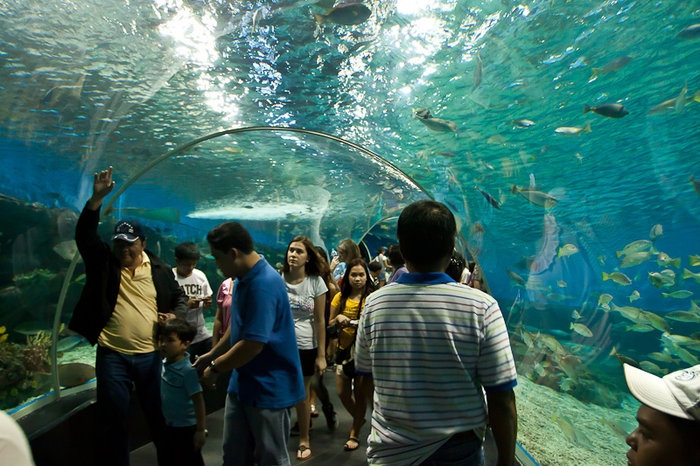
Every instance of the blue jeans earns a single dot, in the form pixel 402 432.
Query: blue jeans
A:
pixel 255 435
pixel 458 451
pixel 116 372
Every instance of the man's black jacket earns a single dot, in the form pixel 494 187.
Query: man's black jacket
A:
pixel 103 276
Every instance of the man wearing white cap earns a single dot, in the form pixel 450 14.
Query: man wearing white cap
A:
pixel 669 418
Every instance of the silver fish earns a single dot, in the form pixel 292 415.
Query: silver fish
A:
pixel 691 32
pixel 573 131
pixel 478 70
pixel 679 105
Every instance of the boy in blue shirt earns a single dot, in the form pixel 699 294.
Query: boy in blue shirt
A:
pixel 181 395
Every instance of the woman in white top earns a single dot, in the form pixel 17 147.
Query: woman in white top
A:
pixel 307 299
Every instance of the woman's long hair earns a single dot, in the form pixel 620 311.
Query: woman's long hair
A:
pixel 346 287
pixel 325 267
pixel 350 249
pixel 315 264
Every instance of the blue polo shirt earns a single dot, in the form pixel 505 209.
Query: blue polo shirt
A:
pixel 260 312
pixel 179 382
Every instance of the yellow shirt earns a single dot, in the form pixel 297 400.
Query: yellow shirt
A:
pixel 352 311
pixel 131 328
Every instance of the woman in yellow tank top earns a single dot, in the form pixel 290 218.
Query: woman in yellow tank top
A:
pixel 345 313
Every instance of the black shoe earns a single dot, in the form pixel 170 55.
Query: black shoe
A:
pixel 331 418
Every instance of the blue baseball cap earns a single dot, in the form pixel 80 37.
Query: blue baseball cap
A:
pixel 128 230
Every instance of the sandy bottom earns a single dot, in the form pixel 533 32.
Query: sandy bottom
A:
pixel 590 441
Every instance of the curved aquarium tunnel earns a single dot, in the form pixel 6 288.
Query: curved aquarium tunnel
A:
pixel 585 223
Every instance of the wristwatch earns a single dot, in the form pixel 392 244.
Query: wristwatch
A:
pixel 212 367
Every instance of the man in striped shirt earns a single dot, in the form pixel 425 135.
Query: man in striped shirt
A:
pixel 433 346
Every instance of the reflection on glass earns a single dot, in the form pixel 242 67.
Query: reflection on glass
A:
pixel 585 225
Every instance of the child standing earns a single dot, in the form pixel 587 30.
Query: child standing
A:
pixel 181 395
pixel 198 291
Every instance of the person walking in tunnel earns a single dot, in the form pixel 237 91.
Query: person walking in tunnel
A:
pixel 381 258
pixel 347 251
pixel 668 433
pixel 396 262
pixel 261 345
pixel 354 389
pixel 318 388
pixel 127 292
pixel 222 319
pixel 375 274
pixel 196 286
pixel 302 272
pixel 431 345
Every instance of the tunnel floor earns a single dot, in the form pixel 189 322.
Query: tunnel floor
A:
pixel 326 446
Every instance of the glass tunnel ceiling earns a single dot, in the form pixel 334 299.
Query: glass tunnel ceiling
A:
pixel 88 85
pixel 299 189
pixel 120 83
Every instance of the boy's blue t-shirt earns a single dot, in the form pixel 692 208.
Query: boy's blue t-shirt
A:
pixel 260 312
pixel 179 382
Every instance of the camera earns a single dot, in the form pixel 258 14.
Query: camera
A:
pixel 332 331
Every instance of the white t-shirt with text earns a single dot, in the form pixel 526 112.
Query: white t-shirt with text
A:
pixel 196 286
pixel 301 301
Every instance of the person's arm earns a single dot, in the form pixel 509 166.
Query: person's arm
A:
pixel 200 413
pixel 363 364
pixel 223 345
pixel 333 320
pixel 320 323
pixel 336 318
pixel 178 301
pixel 86 237
pixel 218 324
pixel 503 419
pixel 241 354
pixel 332 289
pixel 334 263
pixel 102 185
pixel 258 314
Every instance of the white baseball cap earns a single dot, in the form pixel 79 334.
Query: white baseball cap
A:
pixel 677 393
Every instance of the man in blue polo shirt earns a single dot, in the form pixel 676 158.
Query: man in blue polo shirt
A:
pixel 261 345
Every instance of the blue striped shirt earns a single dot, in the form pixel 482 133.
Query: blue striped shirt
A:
pixel 431 345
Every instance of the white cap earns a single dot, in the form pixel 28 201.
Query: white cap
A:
pixel 677 393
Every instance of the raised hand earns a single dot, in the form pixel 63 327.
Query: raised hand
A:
pixel 102 185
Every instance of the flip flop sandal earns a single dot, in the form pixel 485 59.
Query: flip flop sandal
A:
pixel 301 452
pixel 349 447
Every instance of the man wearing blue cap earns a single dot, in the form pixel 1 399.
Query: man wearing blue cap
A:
pixel 127 292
